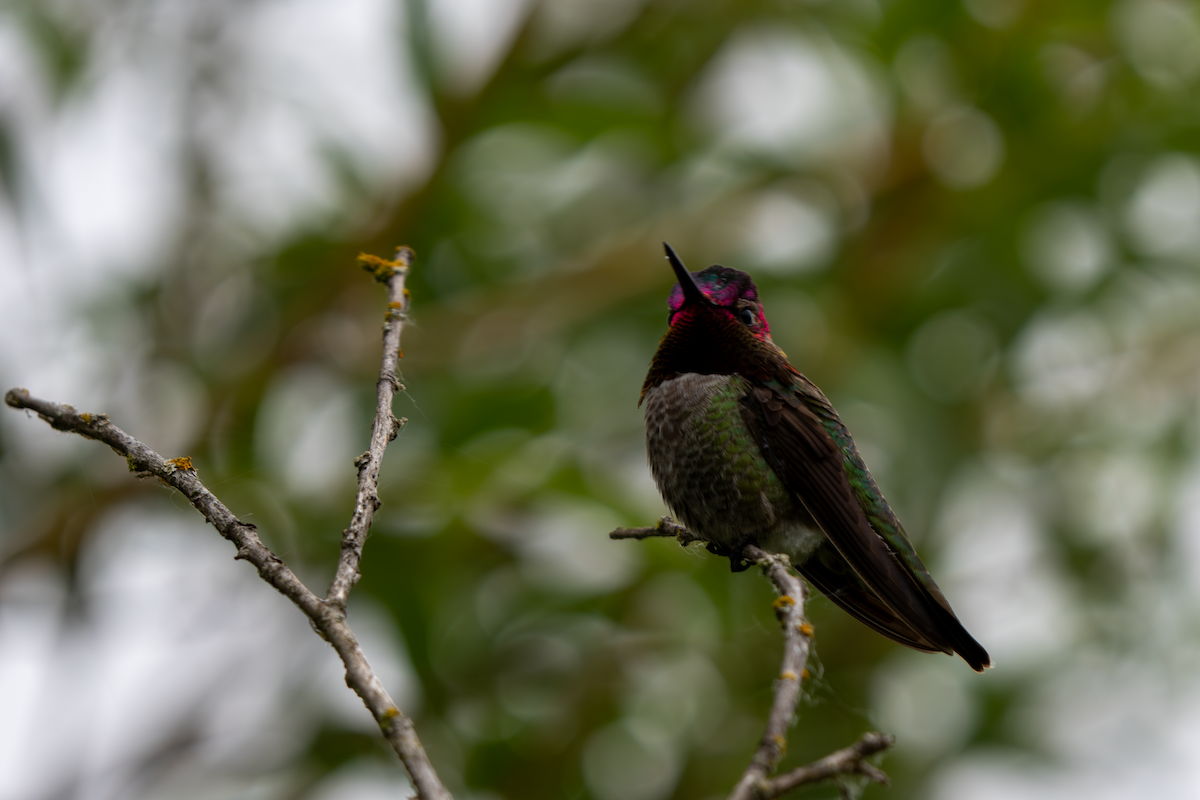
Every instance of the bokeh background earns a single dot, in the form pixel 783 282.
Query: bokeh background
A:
pixel 975 224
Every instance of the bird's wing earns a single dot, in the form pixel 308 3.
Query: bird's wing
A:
pixel 798 431
pixel 829 572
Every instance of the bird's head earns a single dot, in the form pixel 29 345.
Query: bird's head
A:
pixel 716 327
pixel 718 291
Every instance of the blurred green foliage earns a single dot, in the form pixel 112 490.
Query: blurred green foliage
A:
pixel 973 225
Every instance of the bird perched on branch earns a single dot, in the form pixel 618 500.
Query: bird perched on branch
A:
pixel 746 450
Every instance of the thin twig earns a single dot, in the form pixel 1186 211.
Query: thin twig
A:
pixel 847 761
pixel 328 616
pixel 666 527
pixel 797 640
pixel 385 427
pixel 789 608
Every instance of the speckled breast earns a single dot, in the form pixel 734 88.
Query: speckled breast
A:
pixel 710 470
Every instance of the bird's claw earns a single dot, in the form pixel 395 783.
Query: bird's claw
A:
pixel 737 563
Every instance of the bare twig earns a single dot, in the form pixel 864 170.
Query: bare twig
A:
pixel 797 640
pixel 385 427
pixel 789 608
pixel 328 615
pixel 847 761
pixel 666 527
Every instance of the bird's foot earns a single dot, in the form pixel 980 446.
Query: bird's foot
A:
pixel 737 561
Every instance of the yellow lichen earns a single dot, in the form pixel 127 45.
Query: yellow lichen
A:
pixel 395 311
pixel 787 675
pixel 381 268
pixel 182 463
pixel 806 629
pixel 805 674
pixel 783 603
pixel 390 714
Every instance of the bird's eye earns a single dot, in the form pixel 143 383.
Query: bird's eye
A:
pixel 746 315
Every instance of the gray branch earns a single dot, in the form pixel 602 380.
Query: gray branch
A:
pixel 666 527
pixel 847 761
pixel 797 633
pixel 797 640
pixel 328 615
pixel 385 427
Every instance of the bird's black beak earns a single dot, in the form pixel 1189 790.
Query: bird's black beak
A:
pixel 691 292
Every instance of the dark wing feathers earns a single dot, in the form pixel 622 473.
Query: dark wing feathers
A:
pixel 838 582
pixel 873 584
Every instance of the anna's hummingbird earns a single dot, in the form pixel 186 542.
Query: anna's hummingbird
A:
pixel 746 450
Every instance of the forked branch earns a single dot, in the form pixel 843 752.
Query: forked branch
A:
pixel 328 615
pixel 797 632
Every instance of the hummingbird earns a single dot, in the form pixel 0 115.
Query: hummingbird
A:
pixel 747 450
